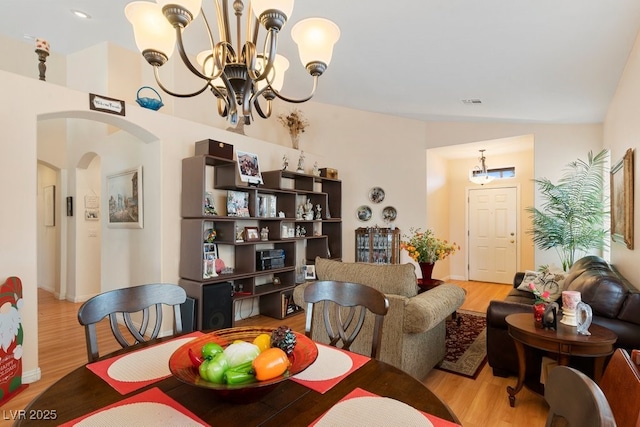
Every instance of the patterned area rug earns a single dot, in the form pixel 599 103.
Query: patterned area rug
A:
pixel 466 344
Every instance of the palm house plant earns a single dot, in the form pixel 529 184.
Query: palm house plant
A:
pixel 572 215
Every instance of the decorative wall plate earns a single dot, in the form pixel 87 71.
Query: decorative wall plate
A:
pixel 376 194
pixel 389 214
pixel 364 213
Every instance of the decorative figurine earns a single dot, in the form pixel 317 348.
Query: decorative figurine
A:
pixel 301 163
pixel 285 162
pixel 299 212
pixel 316 170
pixel 298 232
pixel 308 210
pixel 318 211
pixel 264 234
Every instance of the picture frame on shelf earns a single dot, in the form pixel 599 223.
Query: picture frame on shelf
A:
pixel 266 205
pixel 622 200
pixel 125 196
pixel 251 234
pixel 310 272
pixel 249 168
pixel 237 203
pixel 209 204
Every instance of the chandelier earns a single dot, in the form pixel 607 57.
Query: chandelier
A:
pixel 479 175
pixel 237 75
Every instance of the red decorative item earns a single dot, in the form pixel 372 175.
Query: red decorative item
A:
pixel 11 342
pixel 538 314
pixel 427 269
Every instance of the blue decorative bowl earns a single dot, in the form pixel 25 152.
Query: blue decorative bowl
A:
pixel 150 103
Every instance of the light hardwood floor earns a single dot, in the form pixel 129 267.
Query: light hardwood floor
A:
pixel 477 403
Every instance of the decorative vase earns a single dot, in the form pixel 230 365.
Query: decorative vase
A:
pixel 295 140
pixel 538 314
pixel 427 269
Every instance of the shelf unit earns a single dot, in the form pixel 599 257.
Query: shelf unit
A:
pixel 378 245
pixel 283 190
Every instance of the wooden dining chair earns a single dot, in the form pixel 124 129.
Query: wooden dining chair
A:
pixel 576 399
pixel 121 303
pixel 620 383
pixel 338 321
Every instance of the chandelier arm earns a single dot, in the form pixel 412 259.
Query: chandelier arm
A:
pixel 223 20
pixel 185 58
pixel 223 107
pixel 212 42
pixel 230 99
pixel 178 95
pixel 256 104
pixel 269 52
pixel 297 101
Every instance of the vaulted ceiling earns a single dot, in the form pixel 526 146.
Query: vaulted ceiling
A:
pixel 525 60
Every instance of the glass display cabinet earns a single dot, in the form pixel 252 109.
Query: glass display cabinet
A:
pixel 378 245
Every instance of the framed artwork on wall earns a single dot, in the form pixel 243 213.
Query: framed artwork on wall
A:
pixel 124 192
pixel 622 200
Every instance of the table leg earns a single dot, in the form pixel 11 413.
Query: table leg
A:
pixel 522 367
pixel 598 368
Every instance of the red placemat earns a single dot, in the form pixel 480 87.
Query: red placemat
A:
pixel 365 408
pixel 149 408
pixel 132 371
pixel 331 367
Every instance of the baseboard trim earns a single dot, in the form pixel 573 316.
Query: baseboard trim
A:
pixel 31 376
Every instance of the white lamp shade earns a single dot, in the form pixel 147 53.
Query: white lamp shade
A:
pixel 206 61
pixel 150 28
pixel 315 38
pixel 280 66
pixel 193 6
pixel 284 6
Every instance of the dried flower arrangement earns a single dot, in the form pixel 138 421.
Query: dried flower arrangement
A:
pixel 295 124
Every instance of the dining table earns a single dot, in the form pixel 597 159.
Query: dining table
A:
pixel 290 403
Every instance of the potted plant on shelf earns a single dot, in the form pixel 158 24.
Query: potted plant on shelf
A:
pixel 571 218
pixel 425 248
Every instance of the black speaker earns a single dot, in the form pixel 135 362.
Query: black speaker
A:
pixel 188 315
pixel 216 306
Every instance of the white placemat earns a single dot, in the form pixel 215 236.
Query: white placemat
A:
pixel 148 364
pixel 330 363
pixel 139 414
pixel 372 411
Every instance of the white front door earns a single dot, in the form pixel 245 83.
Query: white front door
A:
pixel 492 234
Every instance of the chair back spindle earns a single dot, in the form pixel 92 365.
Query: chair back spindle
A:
pixel 344 302
pixel 121 303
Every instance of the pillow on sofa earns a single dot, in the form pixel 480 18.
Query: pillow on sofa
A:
pixel 399 279
pixel 552 282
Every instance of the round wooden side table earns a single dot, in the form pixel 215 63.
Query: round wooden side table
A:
pixel 565 342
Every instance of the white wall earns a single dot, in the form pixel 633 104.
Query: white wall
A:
pixel 368 150
pixel 48 236
pixel 621 132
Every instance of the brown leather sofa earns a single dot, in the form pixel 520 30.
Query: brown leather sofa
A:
pixel 614 301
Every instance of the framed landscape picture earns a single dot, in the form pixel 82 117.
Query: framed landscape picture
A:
pixel 124 192
pixel 622 200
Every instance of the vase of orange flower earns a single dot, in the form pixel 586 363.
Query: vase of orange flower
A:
pixel 425 248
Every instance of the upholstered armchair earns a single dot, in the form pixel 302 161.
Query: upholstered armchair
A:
pixel 413 337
